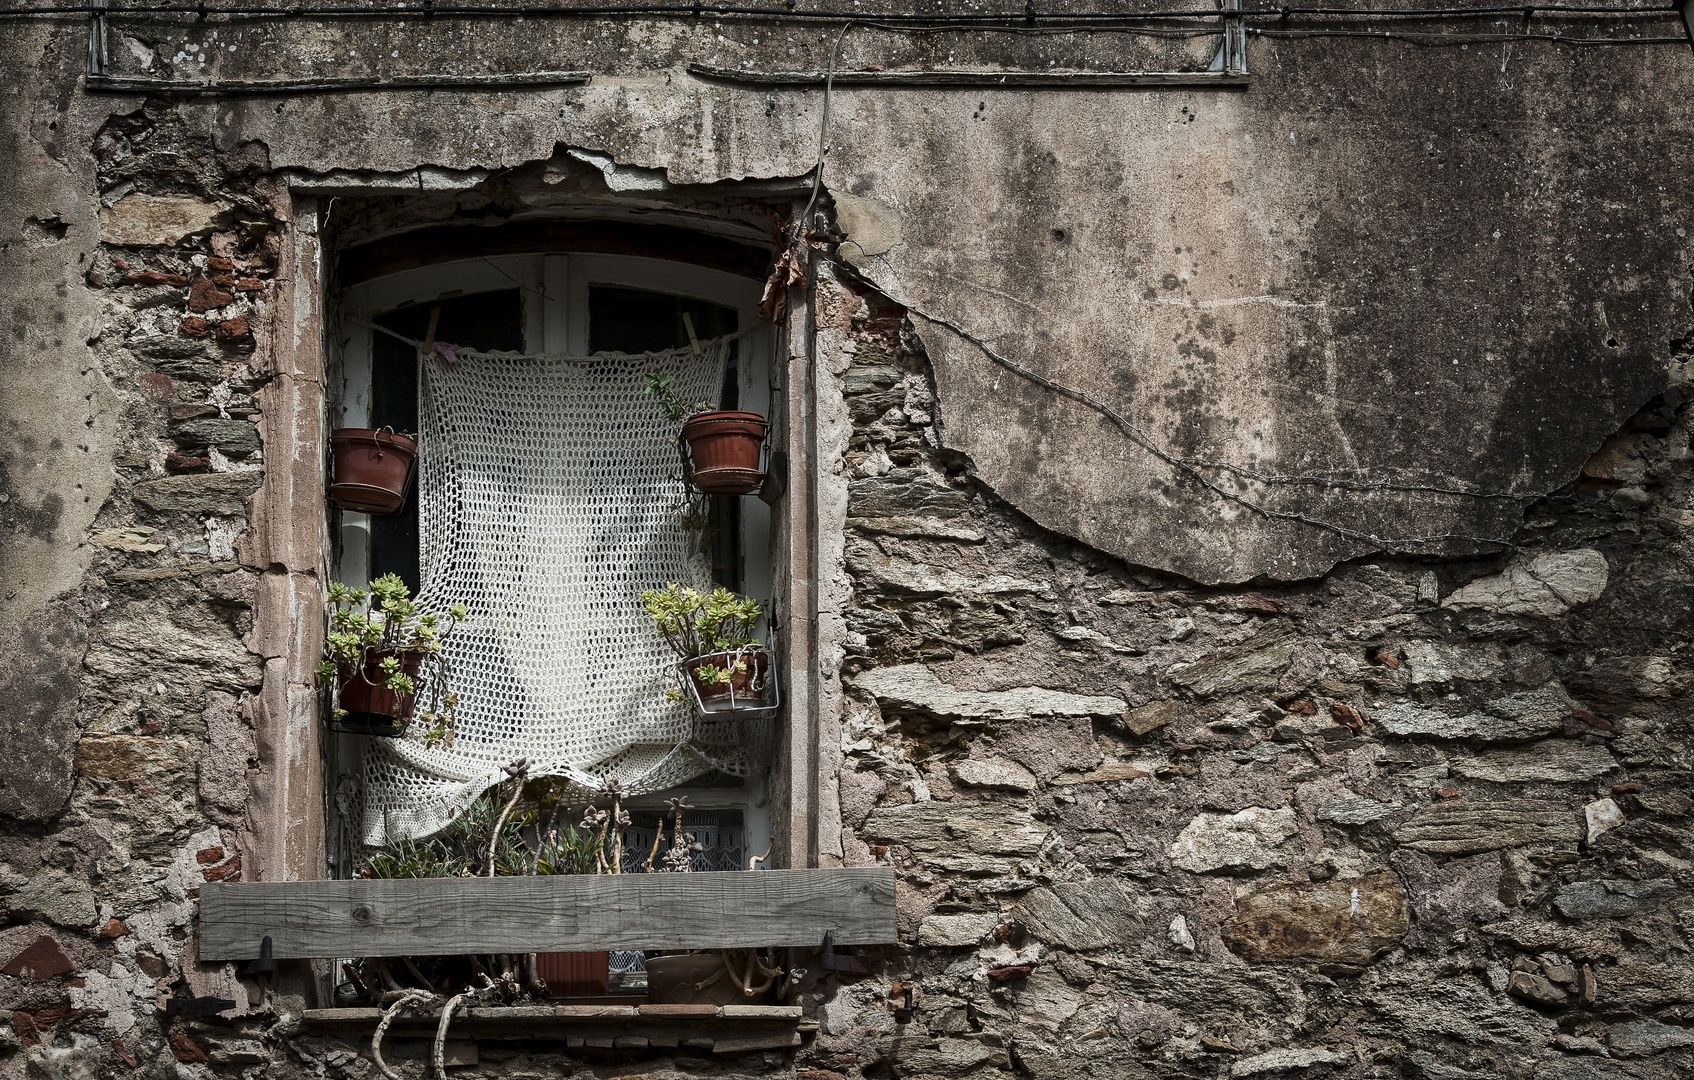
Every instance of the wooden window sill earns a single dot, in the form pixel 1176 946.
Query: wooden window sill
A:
pixel 464 916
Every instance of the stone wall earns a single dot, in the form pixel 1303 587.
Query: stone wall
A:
pixel 1414 818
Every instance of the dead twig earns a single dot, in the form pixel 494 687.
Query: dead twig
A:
pixel 517 770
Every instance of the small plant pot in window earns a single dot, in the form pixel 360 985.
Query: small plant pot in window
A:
pixel 740 681
pixel 374 648
pixel 367 704
pixel 724 668
pixel 373 469
pixel 567 973
pixel 723 452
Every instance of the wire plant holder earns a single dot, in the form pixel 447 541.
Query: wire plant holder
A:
pixel 729 470
pixel 754 692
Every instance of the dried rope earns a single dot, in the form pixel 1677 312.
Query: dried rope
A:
pixel 402 1001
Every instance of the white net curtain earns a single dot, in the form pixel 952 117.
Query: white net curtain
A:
pixel 548 491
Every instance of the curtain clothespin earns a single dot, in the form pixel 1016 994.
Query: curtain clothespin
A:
pixel 429 335
pixel 688 325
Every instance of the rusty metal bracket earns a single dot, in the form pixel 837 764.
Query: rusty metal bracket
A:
pixel 265 964
pixel 831 962
pixel 197 1006
pixel 903 1013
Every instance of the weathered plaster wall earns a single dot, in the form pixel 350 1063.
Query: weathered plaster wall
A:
pixel 1407 817
pixel 1277 283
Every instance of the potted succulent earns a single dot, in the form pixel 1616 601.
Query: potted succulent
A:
pixel 376 644
pixel 373 469
pixel 722 449
pixel 724 667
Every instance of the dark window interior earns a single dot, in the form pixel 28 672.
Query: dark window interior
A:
pixel 635 320
pixel 489 321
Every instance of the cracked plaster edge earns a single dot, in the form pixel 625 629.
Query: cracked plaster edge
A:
pixel 833 434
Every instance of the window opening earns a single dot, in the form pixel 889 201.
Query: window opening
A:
pixel 563 305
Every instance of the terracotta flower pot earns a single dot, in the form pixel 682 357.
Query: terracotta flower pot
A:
pixel 671 979
pixel 743 687
pixel 723 451
pixel 373 469
pixel 573 972
pixel 371 707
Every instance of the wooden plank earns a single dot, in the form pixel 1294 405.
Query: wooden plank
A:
pixel 781 1040
pixel 457 916
pixel 595 1012
pixel 760 1012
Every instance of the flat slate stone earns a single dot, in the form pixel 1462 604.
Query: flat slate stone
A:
pixel 959 837
pixel 1558 760
pixel 1254 666
pixel 1355 810
pixel 1151 717
pixel 1246 839
pixel 1349 921
pixel 915 687
pixel 1546 585
pixel 216 494
pixel 1612 899
pixel 1647 1037
pixel 1465 828
pixel 1095 914
pixel 994 772
pixel 956 930
pixel 1514 718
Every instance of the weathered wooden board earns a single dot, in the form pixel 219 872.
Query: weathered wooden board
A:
pixel 456 916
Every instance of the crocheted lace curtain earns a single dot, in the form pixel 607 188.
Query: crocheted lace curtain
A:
pixel 548 491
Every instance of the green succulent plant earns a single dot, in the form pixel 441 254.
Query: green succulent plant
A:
pixel 696 623
pixel 377 628
pixel 463 848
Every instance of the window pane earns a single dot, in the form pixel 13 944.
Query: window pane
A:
pixel 635 320
pixel 489 321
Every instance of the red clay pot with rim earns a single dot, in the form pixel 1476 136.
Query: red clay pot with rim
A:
pixel 371 707
pixel 573 972
pixel 373 469
pixel 724 451
pixel 745 686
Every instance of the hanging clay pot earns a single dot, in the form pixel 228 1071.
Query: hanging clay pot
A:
pixel 723 450
pixel 371 707
pixel 373 469
pixel 751 691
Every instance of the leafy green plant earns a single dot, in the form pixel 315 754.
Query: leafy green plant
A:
pixel 377 628
pixel 529 842
pixel 696 623
pixel 662 385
